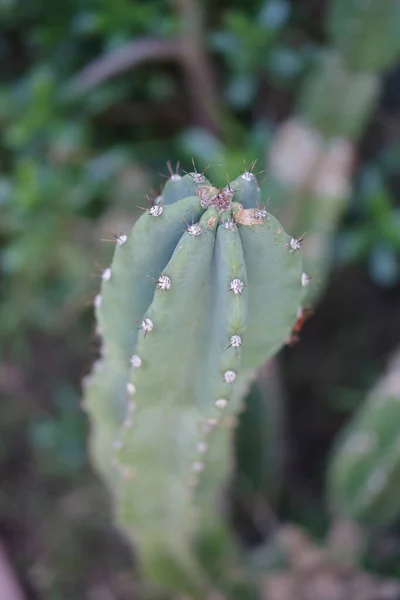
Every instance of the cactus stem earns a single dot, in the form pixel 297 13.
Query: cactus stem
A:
pixel 180 421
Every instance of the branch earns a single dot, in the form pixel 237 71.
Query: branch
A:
pixel 129 56
pixel 201 84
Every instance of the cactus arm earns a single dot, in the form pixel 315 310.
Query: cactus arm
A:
pixel 367 33
pixel 364 473
pixel 335 101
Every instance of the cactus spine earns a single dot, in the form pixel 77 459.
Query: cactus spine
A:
pixel 204 290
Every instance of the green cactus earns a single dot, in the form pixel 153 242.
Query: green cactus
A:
pixel 364 473
pixel 336 101
pixel 365 31
pixel 202 292
pixel 312 160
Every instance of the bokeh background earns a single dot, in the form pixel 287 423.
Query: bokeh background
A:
pixel 95 97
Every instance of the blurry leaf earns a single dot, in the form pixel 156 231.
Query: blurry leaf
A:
pixel 384 266
pixel 274 13
pixel 241 91
pixel 285 63
pixel 202 145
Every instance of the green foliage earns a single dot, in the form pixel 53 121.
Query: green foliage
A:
pixel 186 313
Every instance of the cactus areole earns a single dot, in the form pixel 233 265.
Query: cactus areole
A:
pixel 204 289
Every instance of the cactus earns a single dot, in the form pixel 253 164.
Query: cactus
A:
pixel 365 31
pixel 364 473
pixel 336 101
pixel 312 157
pixel 203 291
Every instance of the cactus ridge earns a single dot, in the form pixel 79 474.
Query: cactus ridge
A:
pixel 201 292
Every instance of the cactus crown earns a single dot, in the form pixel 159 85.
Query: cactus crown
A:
pixel 203 291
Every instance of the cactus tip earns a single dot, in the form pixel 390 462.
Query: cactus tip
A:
pixel 248 176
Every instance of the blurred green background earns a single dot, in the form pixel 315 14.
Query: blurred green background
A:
pixel 95 97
